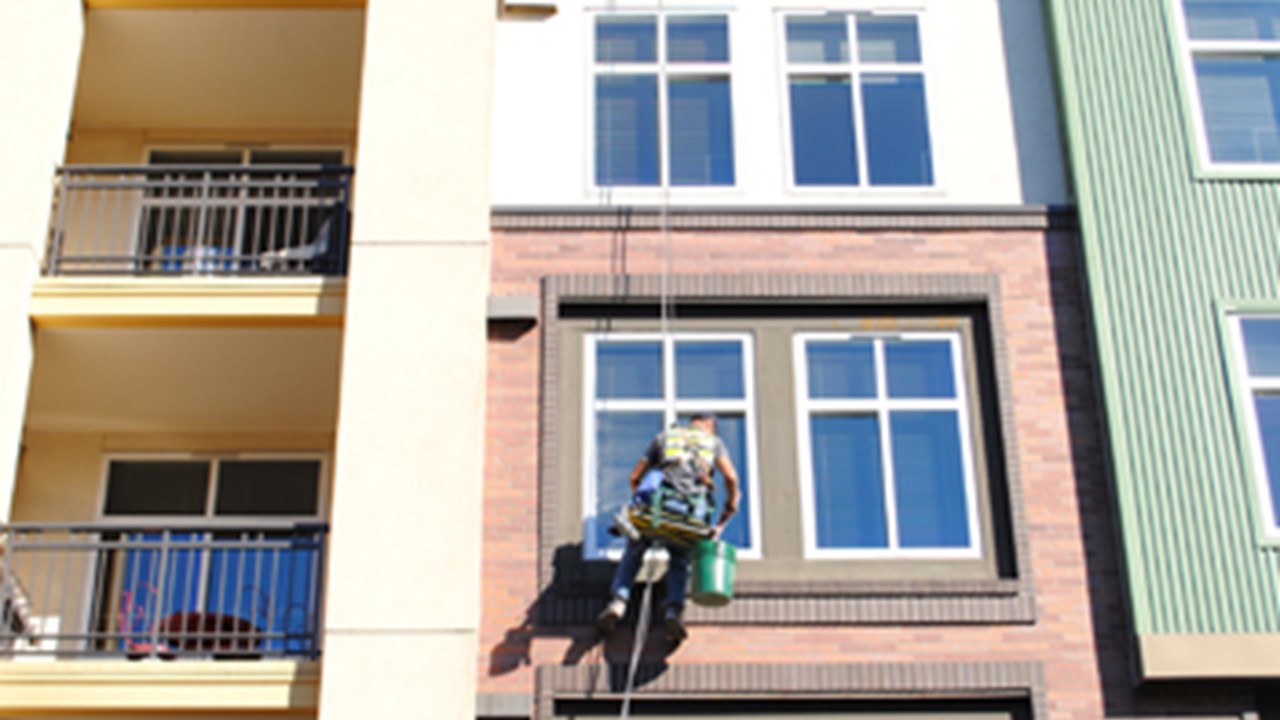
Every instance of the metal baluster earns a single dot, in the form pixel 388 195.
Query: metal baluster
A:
pixel 60 224
pixel 162 578
pixel 273 588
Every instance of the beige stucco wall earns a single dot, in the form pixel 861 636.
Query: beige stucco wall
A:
pixel 407 487
pixel 44 35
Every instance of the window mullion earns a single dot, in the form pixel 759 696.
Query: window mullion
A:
pixel 664 104
pixel 854 71
pixel 886 447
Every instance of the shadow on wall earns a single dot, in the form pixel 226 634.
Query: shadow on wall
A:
pixel 610 655
pixel 1034 101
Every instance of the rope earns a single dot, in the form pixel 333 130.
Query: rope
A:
pixel 637 644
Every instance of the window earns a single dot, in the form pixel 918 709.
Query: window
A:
pixel 856 90
pixel 213 488
pixel 212 555
pixel 662 101
pixel 1258 352
pixel 867 437
pixel 884 445
pixel 251 210
pixel 639 383
pixel 1235 59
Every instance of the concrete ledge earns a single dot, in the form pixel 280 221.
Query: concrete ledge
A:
pixel 117 685
pixel 518 308
pixel 1205 657
pixel 134 301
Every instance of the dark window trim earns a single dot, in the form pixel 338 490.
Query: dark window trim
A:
pixel 575 596
pixel 731 681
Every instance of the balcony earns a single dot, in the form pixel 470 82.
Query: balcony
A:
pixel 209 220
pixel 166 591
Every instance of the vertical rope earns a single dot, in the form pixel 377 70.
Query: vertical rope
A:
pixel 637 644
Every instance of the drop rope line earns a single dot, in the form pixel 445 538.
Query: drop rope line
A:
pixel 666 315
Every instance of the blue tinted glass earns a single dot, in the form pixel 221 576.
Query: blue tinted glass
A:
pixel 918 369
pixel 929 480
pixel 275 588
pixel 732 429
pixel 709 370
pixel 701 132
pixel 897 130
pixel 626 39
pixel 1241 115
pixel 845 369
pixel 820 39
pixel 626 130
pixel 848 486
pixel 888 39
pixel 1233 19
pixel 822 132
pixel 697 38
pixel 1262 345
pixel 621 438
pixel 1268 408
pixel 629 370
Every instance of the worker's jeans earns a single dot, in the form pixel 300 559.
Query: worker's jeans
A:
pixel 633 558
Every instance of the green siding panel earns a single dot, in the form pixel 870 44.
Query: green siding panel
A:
pixel 1163 248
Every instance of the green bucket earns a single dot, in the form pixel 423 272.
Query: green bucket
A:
pixel 714 565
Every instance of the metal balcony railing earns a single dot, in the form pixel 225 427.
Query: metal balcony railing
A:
pixel 200 220
pixel 166 591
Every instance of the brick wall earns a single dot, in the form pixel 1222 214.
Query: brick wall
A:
pixel 1078 636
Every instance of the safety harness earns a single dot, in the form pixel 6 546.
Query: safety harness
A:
pixel 678 510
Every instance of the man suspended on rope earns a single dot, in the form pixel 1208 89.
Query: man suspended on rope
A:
pixel 678 464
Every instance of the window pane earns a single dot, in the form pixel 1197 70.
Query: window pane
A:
pixel 1268 408
pixel 157 487
pixel 732 429
pixel 1233 19
pixel 697 38
pixel 822 39
pixel 701 132
pixel 848 487
pixel 888 39
pixel 626 39
pixel 629 370
pixel 709 370
pixel 918 369
pixel 822 131
pixel 841 369
pixel 621 438
pixel 268 487
pixel 897 130
pixel 1238 96
pixel 929 480
pixel 1262 345
pixel 626 130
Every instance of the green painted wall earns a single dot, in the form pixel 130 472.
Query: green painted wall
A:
pixel 1164 246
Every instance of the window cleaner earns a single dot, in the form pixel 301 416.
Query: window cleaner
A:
pixel 671 505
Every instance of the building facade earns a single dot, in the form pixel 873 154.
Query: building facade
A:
pixel 211 341
pixel 764 210
pixel 1170 116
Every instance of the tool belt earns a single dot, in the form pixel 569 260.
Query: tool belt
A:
pixel 667 514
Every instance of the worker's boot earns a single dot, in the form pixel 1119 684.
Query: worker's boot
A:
pixel 608 619
pixel 673 619
pixel 623 527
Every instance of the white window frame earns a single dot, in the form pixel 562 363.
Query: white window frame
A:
pixel 1246 388
pixel 881 406
pixel 664 71
pixel 853 69
pixel 1223 48
pixel 671 409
